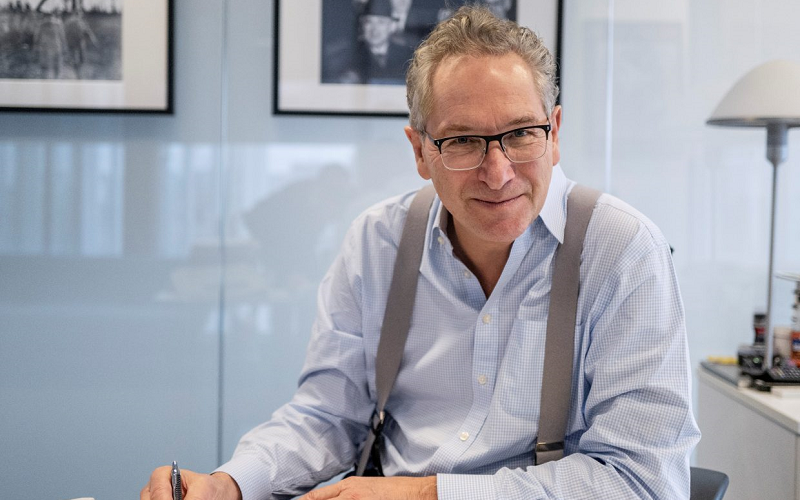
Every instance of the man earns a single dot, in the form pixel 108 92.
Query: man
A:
pixel 79 35
pixel 378 58
pixel 464 411
pixel 50 43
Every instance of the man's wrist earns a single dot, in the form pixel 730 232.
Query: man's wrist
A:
pixel 429 491
pixel 228 486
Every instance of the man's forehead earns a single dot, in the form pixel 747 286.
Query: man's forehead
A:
pixel 461 75
pixel 483 94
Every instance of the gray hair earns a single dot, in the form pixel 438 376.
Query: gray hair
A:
pixel 474 30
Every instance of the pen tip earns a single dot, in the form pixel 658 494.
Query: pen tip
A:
pixel 174 464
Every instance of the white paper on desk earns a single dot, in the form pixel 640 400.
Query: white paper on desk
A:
pixel 786 392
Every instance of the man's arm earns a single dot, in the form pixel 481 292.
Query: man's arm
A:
pixel 377 488
pixel 308 440
pixel 634 432
pixel 315 436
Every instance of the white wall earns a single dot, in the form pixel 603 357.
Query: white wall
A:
pixel 115 307
pixel 707 188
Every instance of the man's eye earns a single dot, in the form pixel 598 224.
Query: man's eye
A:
pixel 521 133
pixel 463 140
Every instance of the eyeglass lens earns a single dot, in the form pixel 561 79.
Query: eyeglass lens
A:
pixel 467 152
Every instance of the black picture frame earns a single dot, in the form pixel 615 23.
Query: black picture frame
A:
pixel 299 76
pixel 125 64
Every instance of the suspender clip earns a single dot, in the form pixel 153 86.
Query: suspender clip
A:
pixel 545 447
pixel 378 419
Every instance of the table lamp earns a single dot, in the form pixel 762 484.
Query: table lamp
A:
pixel 766 97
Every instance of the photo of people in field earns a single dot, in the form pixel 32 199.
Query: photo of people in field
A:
pixel 61 39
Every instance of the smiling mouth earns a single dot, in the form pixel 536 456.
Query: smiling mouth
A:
pixel 500 203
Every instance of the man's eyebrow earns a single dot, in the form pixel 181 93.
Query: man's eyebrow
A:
pixel 457 128
pixel 526 120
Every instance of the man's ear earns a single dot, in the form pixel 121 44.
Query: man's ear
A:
pixel 415 138
pixel 555 127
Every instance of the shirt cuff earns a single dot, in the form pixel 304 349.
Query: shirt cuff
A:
pixel 465 487
pixel 248 475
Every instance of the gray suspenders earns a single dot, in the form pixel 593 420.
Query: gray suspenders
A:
pixel 397 317
pixel 559 344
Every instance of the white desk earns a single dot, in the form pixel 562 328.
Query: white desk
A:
pixel 752 436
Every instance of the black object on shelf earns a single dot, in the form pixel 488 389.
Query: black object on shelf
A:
pixel 777 376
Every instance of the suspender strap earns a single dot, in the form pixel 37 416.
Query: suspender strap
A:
pixel 397 317
pixel 559 345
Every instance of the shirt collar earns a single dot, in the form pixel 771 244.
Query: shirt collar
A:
pixel 440 221
pixel 553 213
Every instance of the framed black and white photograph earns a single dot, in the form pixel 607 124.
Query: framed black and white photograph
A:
pixel 86 55
pixel 349 57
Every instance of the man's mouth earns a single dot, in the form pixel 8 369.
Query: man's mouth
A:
pixel 498 203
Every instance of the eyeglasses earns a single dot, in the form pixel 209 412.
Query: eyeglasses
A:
pixel 466 152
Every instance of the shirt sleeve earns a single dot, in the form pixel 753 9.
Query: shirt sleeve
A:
pixel 316 435
pixel 635 430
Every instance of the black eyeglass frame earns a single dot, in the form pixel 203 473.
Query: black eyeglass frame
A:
pixel 488 139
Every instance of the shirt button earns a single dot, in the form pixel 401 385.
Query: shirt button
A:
pixel 487 318
pixel 482 379
pixel 440 240
pixel 464 436
pixel 467 274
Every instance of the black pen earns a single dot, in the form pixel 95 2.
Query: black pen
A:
pixel 177 491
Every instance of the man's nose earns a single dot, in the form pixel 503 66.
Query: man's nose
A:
pixel 496 169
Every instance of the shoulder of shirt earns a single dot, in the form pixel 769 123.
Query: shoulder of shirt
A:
pixel 383 220
pixel 621 224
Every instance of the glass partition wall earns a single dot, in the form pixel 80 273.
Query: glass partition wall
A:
pixel 158 274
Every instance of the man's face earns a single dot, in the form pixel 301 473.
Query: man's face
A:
pixel 376 29
pixel 493 204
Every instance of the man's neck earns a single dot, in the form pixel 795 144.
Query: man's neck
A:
pixel 486 263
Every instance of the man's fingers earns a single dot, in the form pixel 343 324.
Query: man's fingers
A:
pixel 200 490
pixel 160 485
pixel 195 486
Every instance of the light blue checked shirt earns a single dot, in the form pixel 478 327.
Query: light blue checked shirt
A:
pixel 466 402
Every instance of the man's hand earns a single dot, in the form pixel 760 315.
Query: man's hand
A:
pixel 218 486
pixel 377 488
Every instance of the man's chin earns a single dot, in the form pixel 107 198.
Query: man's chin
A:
pixel 505 231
